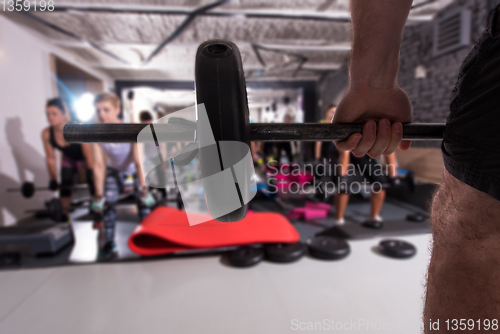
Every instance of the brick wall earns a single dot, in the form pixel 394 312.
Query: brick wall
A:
pixel 431 96
pixel 332 88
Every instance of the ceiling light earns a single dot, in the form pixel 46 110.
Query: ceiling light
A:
pixel 84 107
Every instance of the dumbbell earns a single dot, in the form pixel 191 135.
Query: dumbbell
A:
pixel 221 95
pixel 28 189
pixel 54 208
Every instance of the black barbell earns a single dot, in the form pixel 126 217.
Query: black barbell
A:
pixel 220 87
pixel 128 133
pixel 28 189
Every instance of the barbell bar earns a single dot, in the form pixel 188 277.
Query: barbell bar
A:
pixel 128 133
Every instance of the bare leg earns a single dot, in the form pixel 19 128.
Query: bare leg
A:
pixel 464 271
pixel 340 202
pixel 376 203
pixel 66 202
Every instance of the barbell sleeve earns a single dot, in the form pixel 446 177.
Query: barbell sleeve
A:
pixel 128 133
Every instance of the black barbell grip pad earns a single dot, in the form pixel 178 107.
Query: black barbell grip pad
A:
pixel 127 133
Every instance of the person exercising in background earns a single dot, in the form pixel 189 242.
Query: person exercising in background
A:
pixel 370 169
pixel 462 279
pixel 375 174
pixel 150 157
pixel 113 163
pixel 73 156
pixel 285 146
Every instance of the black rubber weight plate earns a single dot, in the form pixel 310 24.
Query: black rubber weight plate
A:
pixel 328 248
pixel 397 248
pixel 245 257
pixel 220 86
pixel 27 189
pixel 284 253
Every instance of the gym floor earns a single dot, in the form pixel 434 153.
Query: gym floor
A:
pixel 188 294
pixel 200 295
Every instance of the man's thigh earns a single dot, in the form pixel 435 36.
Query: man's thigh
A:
pixel 461 213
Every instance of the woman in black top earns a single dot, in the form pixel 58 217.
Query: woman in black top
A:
pixel 73 156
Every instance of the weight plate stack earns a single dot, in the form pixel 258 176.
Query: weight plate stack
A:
pixel 284 253
pixel 245 257
pixel 328 248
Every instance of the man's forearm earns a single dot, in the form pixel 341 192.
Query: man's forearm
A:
pixel 377 31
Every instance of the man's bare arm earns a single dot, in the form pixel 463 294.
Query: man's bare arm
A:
pixel 374 97
pixel 377 32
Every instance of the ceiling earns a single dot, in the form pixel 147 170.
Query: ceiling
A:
pixel 119 37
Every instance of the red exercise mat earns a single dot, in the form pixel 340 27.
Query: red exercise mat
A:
pixel 167 230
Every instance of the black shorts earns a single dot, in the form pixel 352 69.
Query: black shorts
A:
pixel 361 169
pixel 471 142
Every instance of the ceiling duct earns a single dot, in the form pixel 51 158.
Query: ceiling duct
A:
pixel 277 61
